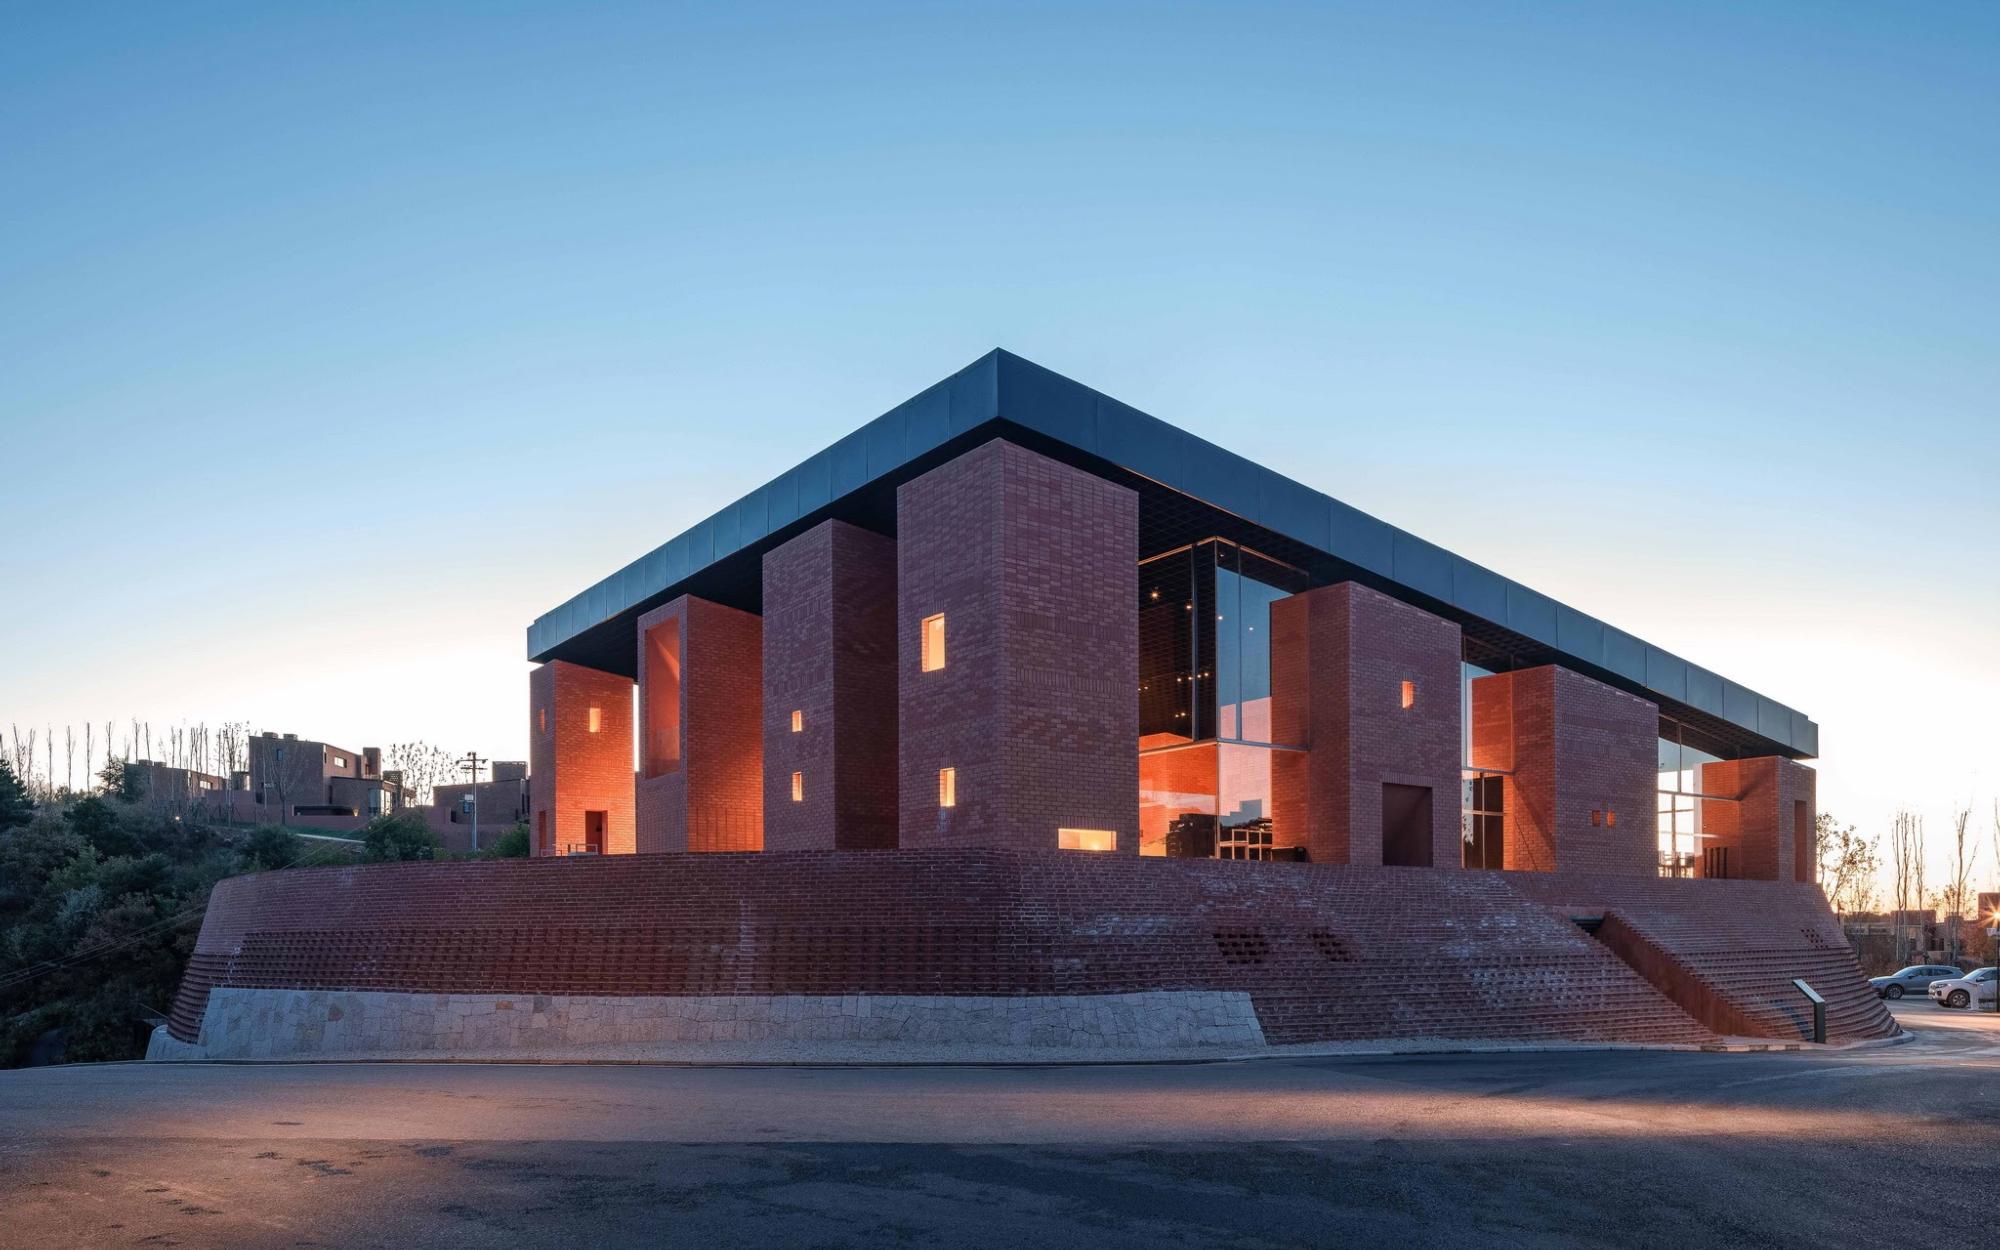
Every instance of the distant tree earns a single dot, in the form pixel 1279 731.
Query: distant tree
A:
pixel 118 780
pixel 1848 865
pixel 512 844
pixel 270 847
pixel 16 808
pixel 399 836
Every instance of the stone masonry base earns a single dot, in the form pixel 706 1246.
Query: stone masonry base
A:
pixel 279 1024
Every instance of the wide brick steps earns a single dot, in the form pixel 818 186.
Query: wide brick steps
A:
pixel 1326 953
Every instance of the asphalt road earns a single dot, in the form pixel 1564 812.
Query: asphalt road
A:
pixel 1890 1146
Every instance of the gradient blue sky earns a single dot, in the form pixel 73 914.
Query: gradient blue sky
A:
pixel 335 345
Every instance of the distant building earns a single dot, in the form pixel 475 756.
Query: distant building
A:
pixel 503 803
pixel 297 781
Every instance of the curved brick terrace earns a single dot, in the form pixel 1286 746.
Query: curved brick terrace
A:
pixel 1019 952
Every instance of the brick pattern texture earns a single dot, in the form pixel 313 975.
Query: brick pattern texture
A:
pixel 714 799
pixel 1037 708
pixel 1576 747
pixel 1760 829
pixel 572 770
pixel 1339 657
pixel 1727 951
pixel 830 656
pixel 1325 952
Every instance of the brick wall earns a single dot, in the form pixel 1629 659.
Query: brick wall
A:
pixel 1033 565
pixel 1585 761
pixel 1326 952
pixel 713 800
pixel 1775 802
pixel 573 770
pixel 1340 656
pixel 830 656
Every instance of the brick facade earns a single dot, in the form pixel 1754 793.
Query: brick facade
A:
pixel 1340 658
pixel 575 771
pixel 1584 762
pixel 830 661
pixel 1768 831
pixel 701 696
pixel 1031 563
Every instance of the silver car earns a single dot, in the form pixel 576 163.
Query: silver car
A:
pixel 1977 985
pixel 1914 979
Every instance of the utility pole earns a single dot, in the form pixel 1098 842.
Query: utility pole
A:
pixel 474 763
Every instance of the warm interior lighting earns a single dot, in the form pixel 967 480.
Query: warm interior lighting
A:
pixel 798 787
pixel 947 787
pixel 596 719
pixel 933 643
pixel 1087 839
pixel 798 720
pixel 1409 694
pixel 1610 818
pixel 542 719
pixel 1596 817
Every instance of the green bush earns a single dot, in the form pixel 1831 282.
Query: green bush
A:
pixel 512 844
pixel 397 836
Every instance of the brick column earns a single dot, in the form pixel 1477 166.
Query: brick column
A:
pixel 1768 830
pixel 1034 567
pixel 580 757
pixel 1340 658
pixel 830 660
pixel 1584 760
pixel 701 743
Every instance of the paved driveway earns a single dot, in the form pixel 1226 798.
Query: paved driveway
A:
pixel 1555 1149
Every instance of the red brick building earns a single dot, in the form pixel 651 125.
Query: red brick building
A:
pixel 1014 627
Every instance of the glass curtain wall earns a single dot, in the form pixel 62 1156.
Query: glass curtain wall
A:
pixel 1482 788
pixel 1681 799
pixel 1205 764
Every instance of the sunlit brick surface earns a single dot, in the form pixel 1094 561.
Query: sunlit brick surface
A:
pixel 1575 747
pixel 572 770
pixel 1339 657
pixel 830 658
pixel 1760 830
pixel 1326 952
pixel 1031 562
pixel 714 800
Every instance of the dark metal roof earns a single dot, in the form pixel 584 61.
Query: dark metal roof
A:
pixel 1189 489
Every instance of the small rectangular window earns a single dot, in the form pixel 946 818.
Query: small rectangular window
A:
pixel 1087 839
pixel 1409 694
pixel 541 720
pixel 933 643
pixel 798 787
pixel 798 720
pixel 596 719
pixel 947 787
pixel 340 761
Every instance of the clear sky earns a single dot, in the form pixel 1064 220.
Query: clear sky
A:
pixel 337 343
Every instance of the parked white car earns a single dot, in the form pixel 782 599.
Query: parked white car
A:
pixel 1978 985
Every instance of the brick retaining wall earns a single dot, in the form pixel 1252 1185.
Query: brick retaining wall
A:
pixel 1324 952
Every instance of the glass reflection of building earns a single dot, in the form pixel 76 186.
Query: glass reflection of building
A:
pixel 1683 796
pixel 1482 784
pixel 1206 756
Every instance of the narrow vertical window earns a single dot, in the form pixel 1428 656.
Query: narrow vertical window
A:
pixel 933 643
pixel 596 719
pixel 542 720
pixel 1409 694
pixel 798 720
pixel 947 787
pixel 798 787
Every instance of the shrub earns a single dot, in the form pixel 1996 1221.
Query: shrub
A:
pixel 397 836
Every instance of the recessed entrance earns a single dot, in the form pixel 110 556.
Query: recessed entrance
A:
pixel 593 832
pixel 1406 825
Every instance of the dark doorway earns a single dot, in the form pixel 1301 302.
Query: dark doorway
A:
pixel 542 842
pixel 1715 862
pixel 1406 826
pixel 593 832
